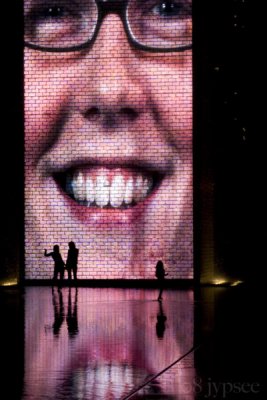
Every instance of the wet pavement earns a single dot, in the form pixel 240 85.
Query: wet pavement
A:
pixel 120 343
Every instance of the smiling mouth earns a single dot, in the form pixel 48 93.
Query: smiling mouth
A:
pixel 102 187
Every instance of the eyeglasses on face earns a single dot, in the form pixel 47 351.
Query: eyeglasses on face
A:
pixel 70 25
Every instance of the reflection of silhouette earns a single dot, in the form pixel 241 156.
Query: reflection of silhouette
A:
pixel 160 274
pixel 72 320
pixel 59 312
pixel 160 325
pixel 72 260
pixel 59 263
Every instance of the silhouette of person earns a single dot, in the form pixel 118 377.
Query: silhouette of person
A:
pixel 160 274
pixel 72 260
pixel 59 263
pixel 160 325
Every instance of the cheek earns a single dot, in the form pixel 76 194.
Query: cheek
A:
pixel 171 90
pixel 44 100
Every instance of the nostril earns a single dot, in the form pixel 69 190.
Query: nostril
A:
pixel 92 112
pixel 130 113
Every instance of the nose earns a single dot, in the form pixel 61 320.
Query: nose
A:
pixel 112 86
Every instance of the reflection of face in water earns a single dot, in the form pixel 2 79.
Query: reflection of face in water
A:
pixel 115 349
pixel 108 141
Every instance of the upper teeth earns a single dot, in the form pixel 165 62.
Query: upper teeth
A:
pixel 103 187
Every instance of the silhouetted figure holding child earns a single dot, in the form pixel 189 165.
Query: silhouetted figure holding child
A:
pixel 160 274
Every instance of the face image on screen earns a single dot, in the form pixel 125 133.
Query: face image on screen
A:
pixel 108 137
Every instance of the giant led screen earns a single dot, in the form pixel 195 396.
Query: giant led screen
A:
pixel 108 138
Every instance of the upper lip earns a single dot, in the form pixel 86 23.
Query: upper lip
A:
pixel 161 167
pixel 147 151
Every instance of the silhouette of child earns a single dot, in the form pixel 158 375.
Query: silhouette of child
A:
pixel 160 274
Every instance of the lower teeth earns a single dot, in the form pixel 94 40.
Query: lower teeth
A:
pixel 123 206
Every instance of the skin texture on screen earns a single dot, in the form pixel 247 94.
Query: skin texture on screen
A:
pixel 108 158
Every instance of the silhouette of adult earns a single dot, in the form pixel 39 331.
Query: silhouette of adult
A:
pixel 59 263
pixel 72 260
pixel 160 274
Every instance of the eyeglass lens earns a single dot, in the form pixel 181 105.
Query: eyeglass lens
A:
pixel 70 23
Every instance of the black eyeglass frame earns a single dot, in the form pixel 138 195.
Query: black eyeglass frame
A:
pixel 106 7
